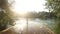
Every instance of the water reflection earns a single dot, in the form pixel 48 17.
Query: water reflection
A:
pixel 20 24
pixel 35 25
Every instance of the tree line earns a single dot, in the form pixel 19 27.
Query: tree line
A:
pixel 40 14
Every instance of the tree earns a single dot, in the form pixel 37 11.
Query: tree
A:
pixel 54 6
pixel 6 16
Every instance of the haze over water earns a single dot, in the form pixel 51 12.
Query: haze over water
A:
pixel 33 24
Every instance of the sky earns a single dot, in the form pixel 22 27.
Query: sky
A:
pixel 22 6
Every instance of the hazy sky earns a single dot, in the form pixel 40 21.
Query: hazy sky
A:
pixel 29 5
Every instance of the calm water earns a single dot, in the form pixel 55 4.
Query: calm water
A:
pixel 33 23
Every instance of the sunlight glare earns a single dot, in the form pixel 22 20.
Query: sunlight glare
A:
pixel 20 24
pixel 23 6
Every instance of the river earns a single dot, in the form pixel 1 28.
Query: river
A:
pixel 33 23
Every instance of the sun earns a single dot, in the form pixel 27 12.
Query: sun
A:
pixel 17 7
pixel 23 6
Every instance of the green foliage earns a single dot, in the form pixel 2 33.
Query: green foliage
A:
pixel 6 17
pixel 54 6
pixel 57 26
